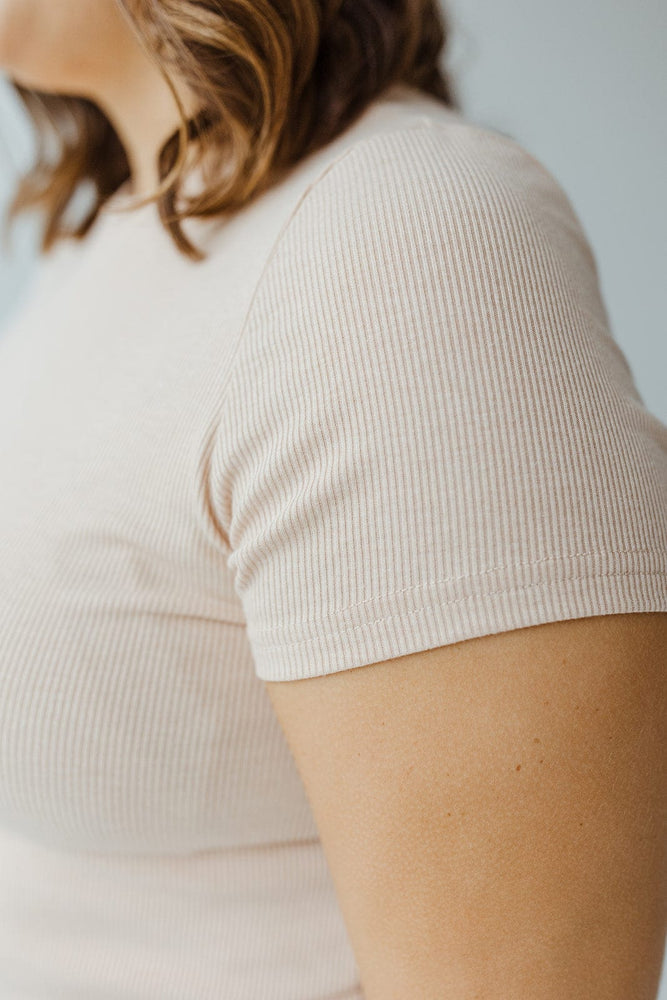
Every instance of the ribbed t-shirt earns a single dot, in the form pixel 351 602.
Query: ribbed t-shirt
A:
pixel 386 413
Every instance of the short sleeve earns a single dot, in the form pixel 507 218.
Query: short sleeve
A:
pixel 429 433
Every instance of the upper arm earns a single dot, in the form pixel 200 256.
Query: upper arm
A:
pixel 445 509
pixel 493 811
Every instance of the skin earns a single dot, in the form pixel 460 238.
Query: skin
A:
pixel 88 48
pixel 493 812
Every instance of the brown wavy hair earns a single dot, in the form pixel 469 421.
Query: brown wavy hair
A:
pixel 274 80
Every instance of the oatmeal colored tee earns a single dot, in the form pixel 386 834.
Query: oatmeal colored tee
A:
pixel 386 413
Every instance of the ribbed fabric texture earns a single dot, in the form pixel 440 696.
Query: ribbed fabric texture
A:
pixel 429 432
pixel 386 413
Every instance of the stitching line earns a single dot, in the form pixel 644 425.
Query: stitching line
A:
pixel 458 600
pixel 454 579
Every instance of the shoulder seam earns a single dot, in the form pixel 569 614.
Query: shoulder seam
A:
pixel 423 122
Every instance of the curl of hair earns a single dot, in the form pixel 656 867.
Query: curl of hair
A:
pixel 274 80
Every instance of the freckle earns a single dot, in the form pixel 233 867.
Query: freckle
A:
pixel 581 824
pixel 518 767
pixel 576 707
pixel 536 740
pixel 542 761
pixel 546 702
pixel 449 814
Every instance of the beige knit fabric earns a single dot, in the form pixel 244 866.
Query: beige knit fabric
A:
pixel 386 413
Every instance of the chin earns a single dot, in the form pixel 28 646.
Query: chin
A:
pixel 60 46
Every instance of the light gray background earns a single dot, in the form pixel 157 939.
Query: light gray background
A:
pixel 583 87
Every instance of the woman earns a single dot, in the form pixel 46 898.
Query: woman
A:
pixel 333 595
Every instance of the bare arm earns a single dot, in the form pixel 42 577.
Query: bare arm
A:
pixel 493 812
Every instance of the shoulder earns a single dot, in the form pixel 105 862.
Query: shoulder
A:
pixel 439 186
pixel 442 159
pixel 432 205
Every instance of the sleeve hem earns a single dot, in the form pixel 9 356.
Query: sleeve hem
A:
pixel 442 612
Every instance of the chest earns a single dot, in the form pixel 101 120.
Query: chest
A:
pixel 130 717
